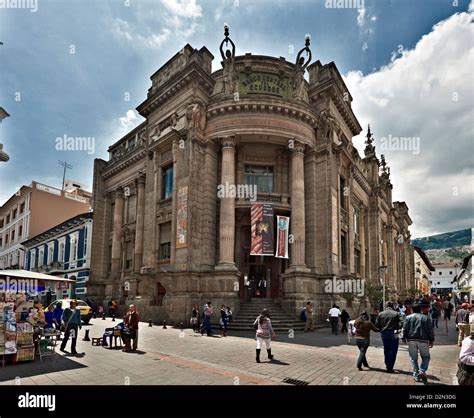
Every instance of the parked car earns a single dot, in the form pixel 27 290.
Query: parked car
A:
pixel 86 310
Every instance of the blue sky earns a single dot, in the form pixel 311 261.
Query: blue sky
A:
pixel 51 92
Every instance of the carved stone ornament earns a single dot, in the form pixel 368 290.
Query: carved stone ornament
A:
pixel 196 116
pixel 230 76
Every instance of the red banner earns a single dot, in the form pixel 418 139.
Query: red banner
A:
pixel 261 220
pixel 283 225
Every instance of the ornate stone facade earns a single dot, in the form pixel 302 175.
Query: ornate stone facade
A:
pixel 163 239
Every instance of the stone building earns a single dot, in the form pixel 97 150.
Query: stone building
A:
pixel 165 239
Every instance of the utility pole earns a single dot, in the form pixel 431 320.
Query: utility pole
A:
pixel 66 166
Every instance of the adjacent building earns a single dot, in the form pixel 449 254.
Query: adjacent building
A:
pixel 423 270
pixel 172 216
pixel 63 250
pixel 3 155
pixel 442 278
pixel 465 281
pixel 32 210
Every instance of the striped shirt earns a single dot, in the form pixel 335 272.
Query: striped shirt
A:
pixel 265 328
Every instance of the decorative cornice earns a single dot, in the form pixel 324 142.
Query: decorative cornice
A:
pixel 119 165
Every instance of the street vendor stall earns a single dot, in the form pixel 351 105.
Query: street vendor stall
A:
pixel 22 318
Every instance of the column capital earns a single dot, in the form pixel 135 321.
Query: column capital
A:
pixel 296 147
pixel 118 193
pixel 140 181
pixel 228 142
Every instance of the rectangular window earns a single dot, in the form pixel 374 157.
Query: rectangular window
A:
pixel 342 192
pixel 131 208
pixel 13 236
pixel 14 214
pixel 260 176
pixel 343 249
pixel 129 255
pixel 20 231
pixel 2 222
pixel 8 219
pixel 22 207
pixel 6 239
pixel 165 241
pixel 61 252
pixel 167 182
pixel 357 261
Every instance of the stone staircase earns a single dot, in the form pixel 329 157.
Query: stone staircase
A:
pixel 281 321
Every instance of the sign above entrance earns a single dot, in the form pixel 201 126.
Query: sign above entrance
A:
pixel 264 83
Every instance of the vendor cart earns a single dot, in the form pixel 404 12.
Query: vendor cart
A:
pixel 47 344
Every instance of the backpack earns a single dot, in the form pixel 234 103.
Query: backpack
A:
pixel 303 314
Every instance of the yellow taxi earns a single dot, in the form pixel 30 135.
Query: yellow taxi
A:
pixel 84 308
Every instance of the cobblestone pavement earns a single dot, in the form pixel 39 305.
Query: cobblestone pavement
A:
pixel 174 357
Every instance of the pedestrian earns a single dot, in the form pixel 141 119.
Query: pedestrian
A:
pixel 195 318
pixel 265 332
pixel 389 322
pixel 435 313
pixel 49 317
pixel 345 317
pixel 462 322
pixel 131 321
pixel 71 319
pixel 206 323
pixel 229 314
pixel 363 326
pixel 418 332
pixel 224 321
pixel 465 372
pixel 334 314
pixel 448 309
pixel 263 288
pixel 309 326
pixel 58 313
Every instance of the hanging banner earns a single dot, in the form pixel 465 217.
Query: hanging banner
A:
pixel 261 220
pixel 182 217
pixel 283 226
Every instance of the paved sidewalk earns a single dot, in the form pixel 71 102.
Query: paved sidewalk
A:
pixel 174 357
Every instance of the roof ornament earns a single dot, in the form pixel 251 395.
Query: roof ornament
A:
pixel 230 76
pixel 299 70
pixel 369 150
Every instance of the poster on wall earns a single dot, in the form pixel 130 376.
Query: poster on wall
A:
pixel 261 220
pixel 182 217
pixel 283 226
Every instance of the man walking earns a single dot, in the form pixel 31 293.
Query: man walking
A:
pixel 71 319
pixel 206 324
pixel 462 323
pixel 389 322
pixel 334 314
pixel 309 318
pixel 419 333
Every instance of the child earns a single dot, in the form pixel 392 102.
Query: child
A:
pixel 265 331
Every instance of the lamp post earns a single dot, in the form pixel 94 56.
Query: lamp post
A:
pixel 382 270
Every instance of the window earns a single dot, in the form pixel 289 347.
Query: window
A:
pixel 165 241
pixel 260 176
pixel 167 182
pixel 20 231
pixel 2 222
pixel 32 259
pixel 343 249
pixel 13 236
pixel 129 255
pixel 41 258
pixel 440 273
pixel 14 214
pixel 50 254
pixel 22 207
pixel 6 239
pixel 342 192
pixel 8 219
pixel 357 261
pixel 73 255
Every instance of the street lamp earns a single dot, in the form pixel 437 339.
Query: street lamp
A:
pixel 382 270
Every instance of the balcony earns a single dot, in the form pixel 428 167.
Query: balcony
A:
pixel 277 199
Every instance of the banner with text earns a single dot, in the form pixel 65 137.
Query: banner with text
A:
pixel 261 219
pixel 283 226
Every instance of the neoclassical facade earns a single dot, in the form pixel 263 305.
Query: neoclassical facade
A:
pixel 165 239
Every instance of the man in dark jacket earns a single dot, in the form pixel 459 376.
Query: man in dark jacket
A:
pixel 418 332
pixel 389 322
pixel 131 321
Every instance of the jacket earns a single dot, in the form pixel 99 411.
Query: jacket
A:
pixel 363 329
pixel 70 318
pixel 131 320
pixel 462 316
pixel 389 320
pixel 418 327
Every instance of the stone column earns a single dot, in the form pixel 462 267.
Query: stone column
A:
pixel 297 208
pixel 362 241
pixel 227 206
pixel 138 250
pixel 118 222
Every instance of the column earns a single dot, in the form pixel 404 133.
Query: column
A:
pixel 362 241
pixel 138 250
pixel 227 207
pixel 118 222
pixel 297 221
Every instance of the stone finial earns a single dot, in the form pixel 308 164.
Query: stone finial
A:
pixel 369 150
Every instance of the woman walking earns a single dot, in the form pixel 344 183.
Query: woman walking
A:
pixel 195 318
pixel 363 326
pixel 224 321
pixel 265 331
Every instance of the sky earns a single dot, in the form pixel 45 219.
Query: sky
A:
pixel 79 68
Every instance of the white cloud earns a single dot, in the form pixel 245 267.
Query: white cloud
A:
pixel 427 92
pixel 183 8
pixel 129 121
pixel 361 16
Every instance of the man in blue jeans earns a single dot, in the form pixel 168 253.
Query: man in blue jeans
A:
pixel 389 322
pixel 419 333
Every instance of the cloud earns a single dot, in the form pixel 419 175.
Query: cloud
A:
pixel 153 27
pixel 361 16
pixel 427 93
pixel 129 121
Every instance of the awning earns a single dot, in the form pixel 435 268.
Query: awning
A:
pixel 25 274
